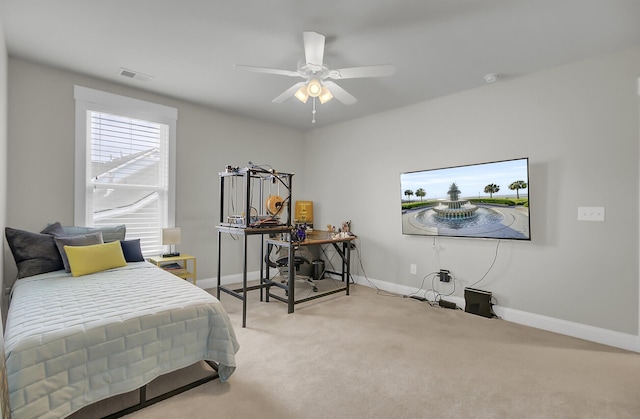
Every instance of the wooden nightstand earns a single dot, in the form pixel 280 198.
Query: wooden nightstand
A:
pixel 177 265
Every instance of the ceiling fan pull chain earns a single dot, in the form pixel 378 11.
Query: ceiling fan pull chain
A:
pixel 313 112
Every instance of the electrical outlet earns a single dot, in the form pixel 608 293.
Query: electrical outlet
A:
pixel 591 213
pixel 444 275
pixel 414 269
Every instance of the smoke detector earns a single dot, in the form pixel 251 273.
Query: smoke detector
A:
pixel 134 74
pixel 491 77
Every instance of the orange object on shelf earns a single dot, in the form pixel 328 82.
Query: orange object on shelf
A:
pixel 304 213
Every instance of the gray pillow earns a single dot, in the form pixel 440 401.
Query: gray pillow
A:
pixel 109 233
pixel 54 229
pixel 79 240
pixel 33 253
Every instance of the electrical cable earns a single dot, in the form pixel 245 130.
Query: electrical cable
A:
pixel 385 293
pixel 230 201
pixel 352 244
pixel 417 293
pixel 366 277
pixel 495 257
pixel 437 296
pixel 392 294
pixel 328 258
pixel 306 278
pixel 232 190
pixel 271 171
pixel 493 313
pixel 453 282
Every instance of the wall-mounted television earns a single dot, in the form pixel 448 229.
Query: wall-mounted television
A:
pixel 484 200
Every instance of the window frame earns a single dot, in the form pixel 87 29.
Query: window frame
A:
pixel 91 100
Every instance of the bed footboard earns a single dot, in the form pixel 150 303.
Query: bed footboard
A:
pixel 144 402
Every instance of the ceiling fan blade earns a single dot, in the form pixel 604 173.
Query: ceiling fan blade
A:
pixel 269 70
pixel 340 94
pixel 360 72
pixel 288 93
pixel 313 50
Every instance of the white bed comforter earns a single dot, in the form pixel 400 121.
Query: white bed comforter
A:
pixel 70 341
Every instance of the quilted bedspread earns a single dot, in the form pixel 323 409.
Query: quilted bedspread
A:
pixel 70 341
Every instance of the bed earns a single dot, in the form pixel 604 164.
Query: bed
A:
pixel 71 341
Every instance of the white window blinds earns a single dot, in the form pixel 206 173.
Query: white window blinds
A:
pixel 127 171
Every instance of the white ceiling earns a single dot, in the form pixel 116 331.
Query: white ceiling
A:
pixel 438 47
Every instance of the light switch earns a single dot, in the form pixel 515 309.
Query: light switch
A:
pixel 591 213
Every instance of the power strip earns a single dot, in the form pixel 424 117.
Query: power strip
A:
pixel 447 304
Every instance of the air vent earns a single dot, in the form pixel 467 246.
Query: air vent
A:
pixel 134 74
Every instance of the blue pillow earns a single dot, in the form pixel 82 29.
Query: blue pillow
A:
pixel 131 250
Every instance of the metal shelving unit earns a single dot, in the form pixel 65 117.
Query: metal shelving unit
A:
pixel 264 219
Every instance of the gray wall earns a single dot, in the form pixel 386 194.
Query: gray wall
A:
pixel 4 399
pixel 41 165
pixel 3 143
pixel 3 158
pixel 578 124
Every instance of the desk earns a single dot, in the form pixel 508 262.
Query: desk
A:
pixel 248 180
pixel 314 238
pixel 241 293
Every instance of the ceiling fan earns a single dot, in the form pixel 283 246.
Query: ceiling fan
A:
pixel 318 77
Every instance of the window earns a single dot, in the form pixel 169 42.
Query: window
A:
pixel 125 165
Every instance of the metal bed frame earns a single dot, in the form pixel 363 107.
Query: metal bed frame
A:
pixel 144 402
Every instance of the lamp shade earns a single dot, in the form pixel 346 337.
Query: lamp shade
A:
pixel 314 88
pixel 171 236
pixel 302 94
pixel 325 95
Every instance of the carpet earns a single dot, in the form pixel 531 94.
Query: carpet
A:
pixel 374 355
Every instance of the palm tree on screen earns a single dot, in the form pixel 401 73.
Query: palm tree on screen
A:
pixel 517 185
pixel 408 193
pixel 421 193
pixel 491 189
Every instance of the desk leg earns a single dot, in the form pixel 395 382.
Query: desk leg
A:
pixel 347 251
pixel 219 263
pixel 244 283
pixel 261 266
pixel 267 274
pixel 345 257
pixel 292 281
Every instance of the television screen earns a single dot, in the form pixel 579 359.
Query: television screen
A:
pixel 485 200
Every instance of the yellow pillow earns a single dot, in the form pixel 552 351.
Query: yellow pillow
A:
pixel 85 260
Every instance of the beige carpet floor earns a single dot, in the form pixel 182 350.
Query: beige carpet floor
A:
pixel 372 355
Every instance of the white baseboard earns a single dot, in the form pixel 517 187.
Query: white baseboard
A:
pixel 576 330
pixel 551 324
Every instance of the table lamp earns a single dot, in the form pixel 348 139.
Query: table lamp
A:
pixel 171 237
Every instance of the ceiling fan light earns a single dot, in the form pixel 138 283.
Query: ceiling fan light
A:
pixel 325 95
pixel 314 88
pixel 302 94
